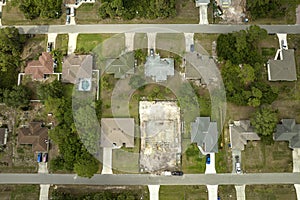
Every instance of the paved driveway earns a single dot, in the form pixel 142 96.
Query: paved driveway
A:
pixel 203 14
pixel 72 42
pixel 212 192
pixel 282 40
pixel 154 192
pixel 296 160
pixel 52 38
pixel 44 191
pixel 151 41
pixel 210 168
pixel 298 15
pixel 129 41
pixel 240 192
pixel 189 40
pixel 236 153
pixel 107 161
pixel 43 168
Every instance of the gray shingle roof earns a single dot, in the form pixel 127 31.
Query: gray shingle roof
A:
pixel 284 69
pixel 241 132
pixel 288 130
pixel 159 69
pixel 205 134
pixel 120 66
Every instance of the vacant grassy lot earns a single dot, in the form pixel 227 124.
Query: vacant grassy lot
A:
pixel 187 13
pixel 203 42
pixel 12 15
pixel 179 192
pixel 16 192
pixel 61 43
pixel 226 192
pixel 192 160
pixel 87 42
pixel 171 42
pixel 259 157
pixel 79 191
pixel 140 41
pixel 270 192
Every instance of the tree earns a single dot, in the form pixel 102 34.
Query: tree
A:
pixel 247 74
pixel 11 45
pixel 44 8
pixel 51 90
pixel 86 165
pixel 87 127
pixel 18 97
pixel 264 121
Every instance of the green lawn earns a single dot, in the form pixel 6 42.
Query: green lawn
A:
pixel 203 42
pixel 68 90
pixel 259 157
pixel 12 15
pixel 192 160
pixel 187 13
pixel 270 192
pixel 180 192
pixel 16 192
pixel 87 42
pixel 62 43
pixel 226 192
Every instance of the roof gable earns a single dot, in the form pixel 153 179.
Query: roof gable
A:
pixel 205 134
pixel 159 69
pixel 35 135
pixel 283 69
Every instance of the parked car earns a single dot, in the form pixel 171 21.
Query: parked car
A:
pixel 238 168
pixel 68 19
pixel 39 157
pixel 72 12
pixel 192 48
pixel 49 46
pixel 177 173
pixel 166 173
pixel 45 157
pixel 151 52
pixel 208 159
pixel 68 11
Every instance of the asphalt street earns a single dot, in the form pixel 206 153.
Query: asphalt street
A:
pixel 144 179
pixel 147 28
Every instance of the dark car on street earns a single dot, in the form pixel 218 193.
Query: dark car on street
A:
pixel 177 173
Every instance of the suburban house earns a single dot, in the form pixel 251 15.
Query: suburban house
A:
pixel 205 134
pixel 77 69
pixel 241 132
pixel 289 131
pixel 120 67
pixel 117 132
pixel 38 69
pixel 3 136
pixel 283 67
pixel 159 69
pixel 35 134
